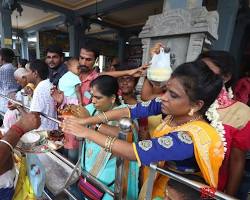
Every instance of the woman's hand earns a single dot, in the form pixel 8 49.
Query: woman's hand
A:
pixel 79 111
pixel 70 125
pixel 72 119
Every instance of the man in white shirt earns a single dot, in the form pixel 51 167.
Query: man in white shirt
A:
pixel 42 102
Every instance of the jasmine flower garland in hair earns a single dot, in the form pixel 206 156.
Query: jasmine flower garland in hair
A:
pixel 214 118
pixel 230 93
pixel 121 99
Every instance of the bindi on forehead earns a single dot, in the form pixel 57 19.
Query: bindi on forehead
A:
pixel 176 86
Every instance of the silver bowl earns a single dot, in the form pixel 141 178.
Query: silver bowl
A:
pixel 30 140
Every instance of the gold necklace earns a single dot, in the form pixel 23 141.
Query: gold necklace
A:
pixel 171 118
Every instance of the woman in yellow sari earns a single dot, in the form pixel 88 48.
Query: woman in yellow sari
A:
pixel 185 139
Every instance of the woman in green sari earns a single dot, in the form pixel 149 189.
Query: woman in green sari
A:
pixel 95 159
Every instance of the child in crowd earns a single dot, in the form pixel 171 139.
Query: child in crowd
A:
pixel 70 85
pixel 70 82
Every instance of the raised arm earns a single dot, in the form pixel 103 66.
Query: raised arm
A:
pixel 149 92
pixel 132 72
pixel 119 147
pixel 140 110
pixel 28 121
pixel 170 147
pixel 107 129
pixel 111 115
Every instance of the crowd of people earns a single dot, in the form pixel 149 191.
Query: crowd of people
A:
pixel 190 124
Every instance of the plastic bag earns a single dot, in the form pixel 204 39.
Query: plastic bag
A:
pixel 23 190
pixel 160 69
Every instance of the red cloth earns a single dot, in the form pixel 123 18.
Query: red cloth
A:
pixel 242 90
pixel 242 141
pixel 143 128
pixel 230 133
pixel 235 138
pixel 70 141
pixel 86 85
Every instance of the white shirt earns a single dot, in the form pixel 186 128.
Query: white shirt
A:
pixel 43 102
pixel 7 179
pixel 11 116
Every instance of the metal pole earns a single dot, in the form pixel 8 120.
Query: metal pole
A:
pixel 125 127
pixel 69 193
pixel 47 195
pixel 20 104
pixel 86 174
pixel 193 184
pixel 63 159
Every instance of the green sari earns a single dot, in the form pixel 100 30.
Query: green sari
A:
pixel 102 164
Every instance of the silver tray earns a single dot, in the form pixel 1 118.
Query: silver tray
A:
pixel 43 146
pixel 57 172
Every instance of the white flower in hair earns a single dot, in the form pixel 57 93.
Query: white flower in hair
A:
pixel 213 116
pixel 230 93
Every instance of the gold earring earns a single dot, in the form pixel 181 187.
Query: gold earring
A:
pixel 191 112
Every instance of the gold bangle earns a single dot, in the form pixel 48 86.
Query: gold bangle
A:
pixel 107 143
pixel 108 148
pixel 105 116
pixel 129 114
pixel 99 116
pixel 111 144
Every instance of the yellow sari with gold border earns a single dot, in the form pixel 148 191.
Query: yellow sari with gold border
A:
pixel 208 150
